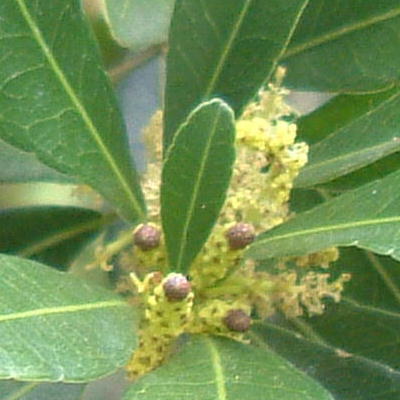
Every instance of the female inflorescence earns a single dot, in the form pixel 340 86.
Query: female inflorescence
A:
pixel 224 291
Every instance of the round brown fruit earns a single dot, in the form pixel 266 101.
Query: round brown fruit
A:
pixel 176 287
pixel 147 237
pixel 237 320
pixel 240 235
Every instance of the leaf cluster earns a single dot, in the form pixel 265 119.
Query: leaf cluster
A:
pixel 62 131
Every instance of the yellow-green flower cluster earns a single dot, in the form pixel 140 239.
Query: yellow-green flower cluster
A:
pixel 293 294
pixel 209 317
pixel 268 161
pixel 260 194
pixel 162 321
pixel 215 260
pixel 321 258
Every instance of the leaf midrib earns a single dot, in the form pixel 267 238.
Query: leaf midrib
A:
pixel 74 308
pixel 64 234
pixel 28 387
pixel 79 107
pixel 217 71
pixel 370 309
pixel 320 229
pixel 217 368
pixel 345 30
pixel 381 270
pixel 327 346
pixel 391 145
pixel 196 189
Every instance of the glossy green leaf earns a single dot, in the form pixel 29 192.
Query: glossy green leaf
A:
pixel 347 376
pixel 50 235
pixel 138 24
pixel 19 166
pixel 352 349
pixel 12 390
pixel 195 179
pixel 375 279
pixel 55 327
pixel 223 49
pixel 377 170
pixel 358 130
pixel 220 369
pixel 56 101
pixel 345 45
pixel 367 217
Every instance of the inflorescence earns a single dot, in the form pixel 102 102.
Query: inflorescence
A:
pixel 224 291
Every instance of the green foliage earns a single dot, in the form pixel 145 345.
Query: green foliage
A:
pixel 226 370
pixel 51 235
pixel 20 166
pixel 50 101
pixel 55 327
pixel 60 122
pixel 12 390
pixel 195 179
pixel 356 339
pixel 345 46
pixel 225 49
pixel 367 217
pixel 357 130
pixel 138 24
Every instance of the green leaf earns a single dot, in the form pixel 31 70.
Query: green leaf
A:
pixel 367 217
pixel 223 49
pixel 19 166
pixel 358 130
pixel 375 279
pixel 56 100
pixel 377 170
pixel 352 349
pixel 347 376
pixel 345 46
pixel 11 390
pixel 220 369
pixel 48 234
pixel 195 179
pixel 55 327
pixel 138 24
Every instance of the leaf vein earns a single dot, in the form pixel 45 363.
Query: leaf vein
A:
pixel 61 310
pixel 78 105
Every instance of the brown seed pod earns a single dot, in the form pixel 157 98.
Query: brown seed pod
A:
pixel 240 235
pixel 176 287
pixel 147 237
pixel 237 320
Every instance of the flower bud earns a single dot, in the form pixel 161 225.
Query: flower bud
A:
pixel 240 235
pixel 147 237
pixel 237 320
pixel 176 287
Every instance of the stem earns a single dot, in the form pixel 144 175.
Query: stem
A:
pixel 119 71
pixel 59 237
